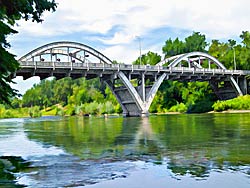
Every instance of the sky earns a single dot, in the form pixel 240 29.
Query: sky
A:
pixel 116 27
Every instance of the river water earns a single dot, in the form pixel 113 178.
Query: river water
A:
pixel 168 151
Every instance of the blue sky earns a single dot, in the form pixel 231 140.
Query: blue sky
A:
pixel 111 26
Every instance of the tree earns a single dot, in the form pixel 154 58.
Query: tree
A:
pixel 10 12
pixel 150 58
pixel 230 53
pixel 245 36
pixel 172 48
pixel 196 42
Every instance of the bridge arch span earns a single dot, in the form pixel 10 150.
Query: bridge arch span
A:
pixel 70 49
pixel 193 59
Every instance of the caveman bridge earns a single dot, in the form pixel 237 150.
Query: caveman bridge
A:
pixel 134 86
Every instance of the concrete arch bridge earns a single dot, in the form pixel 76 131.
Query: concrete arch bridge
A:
pixel 134 86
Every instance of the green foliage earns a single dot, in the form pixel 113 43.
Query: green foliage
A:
pixel 70 110
pixel 195 42
pixel 176 96
pixel 225 52
pixel 157 104
pixel 178 108
pixel 16 103
pixel 239 103
pixel 172 48
pixel 92 108
pixel 150 58
pixel 108 108
pixel 201 106
pixel 10 12
pixel 12 113
pixel 5 113
pixel 77 96
pixel 35 112
pixel 59 111
pixel 245 36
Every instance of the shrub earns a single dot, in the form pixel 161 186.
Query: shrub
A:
pixel 239 103
pixel 180 107
pixel 59 111
pixel 70 110
pixel 35 112
pixel 92 108
pixel 200 107
pixel 108 108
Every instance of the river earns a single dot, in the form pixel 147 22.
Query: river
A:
pixel 165 151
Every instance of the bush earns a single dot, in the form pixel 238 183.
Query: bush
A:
pixel 108 108
pixel 70 110
pixel 35 112
pixel 239 103
pixel 200 107
pixel 180 107
pixel 92 108
pixel 59 111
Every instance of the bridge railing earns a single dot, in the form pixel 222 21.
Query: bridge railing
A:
pixel 129 67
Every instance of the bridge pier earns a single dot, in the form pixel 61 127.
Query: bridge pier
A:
pixel 134 100
pixel 227 89
pixel 243 84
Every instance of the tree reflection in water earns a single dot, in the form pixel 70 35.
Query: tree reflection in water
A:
pixel 186 144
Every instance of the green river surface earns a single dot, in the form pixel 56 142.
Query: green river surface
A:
pixel 164 151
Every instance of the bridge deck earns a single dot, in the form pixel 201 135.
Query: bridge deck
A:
pixel 92 70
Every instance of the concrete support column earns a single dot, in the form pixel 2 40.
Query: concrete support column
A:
pixel 134 101
pixel 118 98
pixel 143 88
pixel 245 85
pixel 242 82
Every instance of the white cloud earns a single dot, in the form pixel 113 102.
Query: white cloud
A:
pixel 117 22
pixel 216 17
pixel 121 53
pixel 119 38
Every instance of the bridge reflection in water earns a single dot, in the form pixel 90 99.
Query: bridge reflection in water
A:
pixel 187 144
pixel 134 86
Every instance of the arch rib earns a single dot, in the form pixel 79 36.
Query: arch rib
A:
pixel 154 90
pixel 169 59
pixel 175 60
pixel 200 54
pixel 65 44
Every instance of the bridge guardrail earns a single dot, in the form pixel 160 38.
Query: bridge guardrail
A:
pixel 146 68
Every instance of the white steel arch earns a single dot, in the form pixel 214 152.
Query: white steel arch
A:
pixel 193 58
pixel 73 49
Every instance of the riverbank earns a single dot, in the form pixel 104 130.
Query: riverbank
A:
pixel 232 111
pixel 240 104
pixel 113 115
